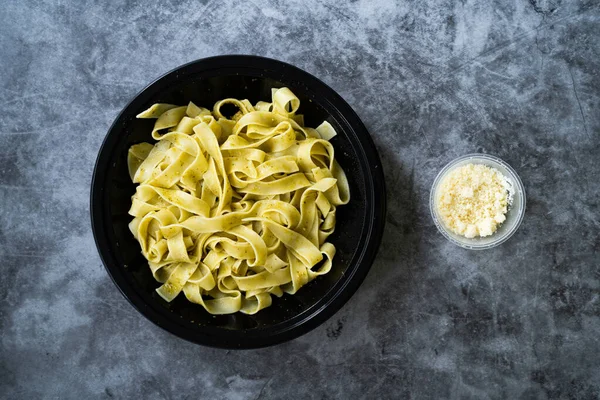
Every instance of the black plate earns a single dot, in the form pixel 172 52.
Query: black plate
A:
pixel 359 224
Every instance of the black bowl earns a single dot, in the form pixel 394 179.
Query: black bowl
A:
pixel 359 224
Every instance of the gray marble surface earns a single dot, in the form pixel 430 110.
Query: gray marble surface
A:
pixel 432 80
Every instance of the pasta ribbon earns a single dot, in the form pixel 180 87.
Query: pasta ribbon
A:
pixel 231 210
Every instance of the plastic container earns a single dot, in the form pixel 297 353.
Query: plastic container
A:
pixel 514 216
pixel 359 224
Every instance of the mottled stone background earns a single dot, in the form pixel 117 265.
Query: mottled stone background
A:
pixel 432 80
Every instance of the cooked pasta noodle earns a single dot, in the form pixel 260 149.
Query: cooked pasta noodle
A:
pixel 230 211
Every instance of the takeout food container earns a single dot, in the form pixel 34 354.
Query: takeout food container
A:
pixel 359 225
pixel 514 216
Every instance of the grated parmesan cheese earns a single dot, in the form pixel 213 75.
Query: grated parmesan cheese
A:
pixel 473 200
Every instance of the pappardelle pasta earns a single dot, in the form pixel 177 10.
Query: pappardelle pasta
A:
pixel 232 210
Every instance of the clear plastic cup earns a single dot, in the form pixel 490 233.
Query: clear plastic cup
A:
pixel 514 216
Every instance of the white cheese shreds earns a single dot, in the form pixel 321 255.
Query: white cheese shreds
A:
pixel 473 200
